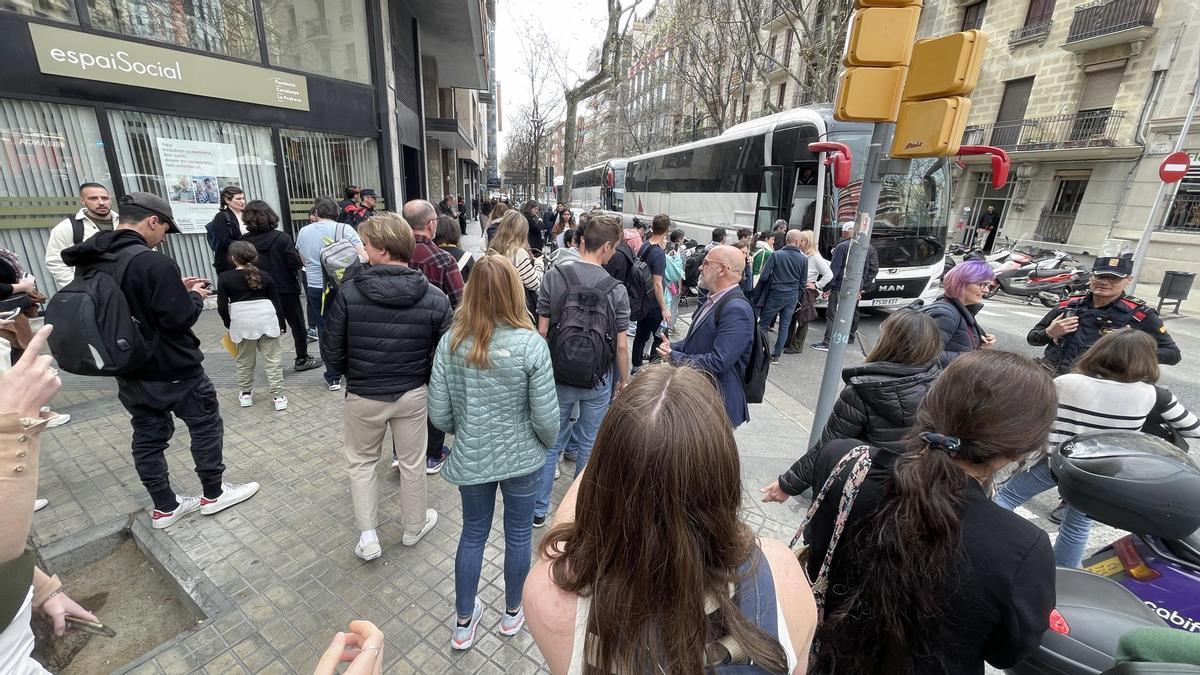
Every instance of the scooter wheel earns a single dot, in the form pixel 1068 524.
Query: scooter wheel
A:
pixel 991 293
pixel 1051 302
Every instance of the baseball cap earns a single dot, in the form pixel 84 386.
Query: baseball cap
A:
pixel 1117 266
pixel 153 203
pixel 366 192
pixel 847 226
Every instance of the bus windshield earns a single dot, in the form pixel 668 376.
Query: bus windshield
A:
pixel 910 227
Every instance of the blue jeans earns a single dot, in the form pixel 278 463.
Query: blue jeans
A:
pixel 593 403
pixel 782 305
pixel 316 319
pixel 1072 534
pixel 479 503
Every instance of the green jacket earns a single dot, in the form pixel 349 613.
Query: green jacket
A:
pixel 503 418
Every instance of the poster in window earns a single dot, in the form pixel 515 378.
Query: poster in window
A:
pixel 194 173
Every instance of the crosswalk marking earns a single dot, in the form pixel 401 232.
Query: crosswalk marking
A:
pixel 1025 513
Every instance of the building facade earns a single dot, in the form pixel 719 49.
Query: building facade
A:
pixel 288 100
pixel 1087 99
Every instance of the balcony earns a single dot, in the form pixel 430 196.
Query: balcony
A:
pixel 1089 133
pixel 1034 32
pixel 1106 23
pixel 1054 226
pixel 449 132
pixel 775 15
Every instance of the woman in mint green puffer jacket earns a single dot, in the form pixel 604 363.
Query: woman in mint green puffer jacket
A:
pixel 493 388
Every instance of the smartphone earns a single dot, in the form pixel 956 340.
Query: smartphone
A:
pixel 93 627
pixel 207 285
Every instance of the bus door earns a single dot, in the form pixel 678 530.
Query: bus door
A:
pixel 806 202
pixel 766 211
pixel 664 202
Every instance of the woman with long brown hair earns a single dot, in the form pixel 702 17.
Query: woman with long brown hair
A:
pixel 636 576
pixel 1113 387
pixel 493 388
pixel 928 575
pixel 880 399
pixel 512 242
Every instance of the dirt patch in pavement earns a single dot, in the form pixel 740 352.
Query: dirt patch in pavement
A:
pixel 129 595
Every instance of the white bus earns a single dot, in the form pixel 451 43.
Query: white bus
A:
pixel 761 171
pixel 600 184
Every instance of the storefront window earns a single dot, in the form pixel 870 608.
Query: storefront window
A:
pixel 189 161
pixel 47 151
pixel 218 26
pixel 322 165
pixel 57 10
pixel 325 37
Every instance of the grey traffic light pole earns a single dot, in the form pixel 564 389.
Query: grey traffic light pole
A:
pixel 831 380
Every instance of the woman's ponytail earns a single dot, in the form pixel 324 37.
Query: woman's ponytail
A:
pixel 243 254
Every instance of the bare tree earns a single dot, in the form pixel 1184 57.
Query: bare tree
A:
pixel 532 122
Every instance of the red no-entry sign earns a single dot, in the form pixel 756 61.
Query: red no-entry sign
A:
pixel 1174 167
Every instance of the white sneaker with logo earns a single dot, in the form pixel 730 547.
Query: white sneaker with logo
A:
pixel 230 494
pixel 280 402
pixel 163 519
pixel 246 399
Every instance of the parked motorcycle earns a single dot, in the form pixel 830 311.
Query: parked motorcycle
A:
pixel 1150 578
pixel 1050 289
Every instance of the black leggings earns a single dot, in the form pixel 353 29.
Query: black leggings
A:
pixel 293 314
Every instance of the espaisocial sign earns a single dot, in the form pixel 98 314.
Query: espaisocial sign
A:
pixel 71 53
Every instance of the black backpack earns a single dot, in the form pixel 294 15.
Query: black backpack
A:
pixel 584 336
pixel 95 333
pixel 754 380
pixel 691 266
pixel 639 282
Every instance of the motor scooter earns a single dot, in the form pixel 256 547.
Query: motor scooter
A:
pixel 1050 289
pixel 1150 578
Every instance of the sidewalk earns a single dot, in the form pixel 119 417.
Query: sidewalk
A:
pixel 278 573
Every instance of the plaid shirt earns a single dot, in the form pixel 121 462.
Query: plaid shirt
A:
pixel 439 267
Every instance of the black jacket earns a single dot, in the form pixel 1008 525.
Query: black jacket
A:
pixel 232 287
pixel 537 233
pixel 961 333
pixel 157 298
pixel 277 256
pixel 1061 354
pixel 1005 582
pixel 877 406
pixel 222 230
pixel 382 331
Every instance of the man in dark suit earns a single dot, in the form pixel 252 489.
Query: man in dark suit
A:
pixel 722 332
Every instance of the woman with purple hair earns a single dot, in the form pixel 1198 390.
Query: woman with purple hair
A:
pixel 962 298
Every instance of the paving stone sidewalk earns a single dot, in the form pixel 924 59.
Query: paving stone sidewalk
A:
pixel 281 567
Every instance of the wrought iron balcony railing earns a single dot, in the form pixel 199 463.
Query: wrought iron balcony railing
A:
pixel 1084 129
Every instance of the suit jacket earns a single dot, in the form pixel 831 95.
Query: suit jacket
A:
pixel 722 349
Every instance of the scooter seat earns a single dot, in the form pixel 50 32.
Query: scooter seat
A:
pixel 1188 548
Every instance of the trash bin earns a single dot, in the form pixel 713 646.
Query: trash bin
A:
pixel 1175 288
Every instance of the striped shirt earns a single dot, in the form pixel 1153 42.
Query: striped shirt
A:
pixel 1088 404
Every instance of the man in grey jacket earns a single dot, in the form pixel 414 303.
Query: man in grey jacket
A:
pixel 778 292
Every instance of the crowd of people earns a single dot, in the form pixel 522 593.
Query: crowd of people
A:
pixel 558 343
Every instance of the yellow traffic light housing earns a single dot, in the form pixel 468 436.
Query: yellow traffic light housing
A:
pixel 930 128
pixel 869 94
pixel 863 4
pixel 945 66
pixel 882 37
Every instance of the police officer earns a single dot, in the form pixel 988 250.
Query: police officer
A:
pixel 1068 330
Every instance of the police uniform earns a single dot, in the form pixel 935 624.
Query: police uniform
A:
pixel 1062 353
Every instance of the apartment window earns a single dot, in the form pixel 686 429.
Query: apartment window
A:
pixel 1100 89
pixel 1055 224
pixel 973 15
pixel 733 113
pixel 787 48
pixel 771 43
pixel 782 94
pixel 55 10
pixel 1184 215
pixel 225 27
pixel 1040 12
pixel 321 48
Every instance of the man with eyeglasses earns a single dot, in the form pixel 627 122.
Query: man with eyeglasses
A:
pixel 1068 330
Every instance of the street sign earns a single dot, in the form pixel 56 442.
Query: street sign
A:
pixel 1174 167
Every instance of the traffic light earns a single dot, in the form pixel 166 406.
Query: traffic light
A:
pixel 933 114
pixel 878 50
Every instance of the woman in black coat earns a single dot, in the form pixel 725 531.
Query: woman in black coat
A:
pixel 226 227
pixel 880 399
pixel 963 288
pixel 278 257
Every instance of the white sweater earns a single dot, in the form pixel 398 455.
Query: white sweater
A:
pixel 62 236
pixel 1087 404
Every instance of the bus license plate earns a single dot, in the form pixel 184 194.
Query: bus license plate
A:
pixel 882 302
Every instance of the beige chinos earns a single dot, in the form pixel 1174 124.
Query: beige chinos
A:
pixel 248 352
pixel 366 422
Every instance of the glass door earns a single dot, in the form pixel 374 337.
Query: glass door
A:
pixel 767 209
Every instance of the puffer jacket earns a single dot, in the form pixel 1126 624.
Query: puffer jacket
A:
pixel 383 329
pixel 877 406
pixel 961 333
pixel 503 418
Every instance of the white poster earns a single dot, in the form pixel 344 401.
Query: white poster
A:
pixel 195 172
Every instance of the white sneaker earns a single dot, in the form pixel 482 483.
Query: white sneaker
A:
pixel 58 420
pixel 39 504
pixel 557 471
pixel 396 464
pixel 163 519
pixel 369 551
pixel 335 386
pixel 280 402
pixel 230 494
pixel 431 518
pixel 510 625
pixel 246 399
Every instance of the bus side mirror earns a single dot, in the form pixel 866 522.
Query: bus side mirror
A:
pixel 837 155
pixel 1000 162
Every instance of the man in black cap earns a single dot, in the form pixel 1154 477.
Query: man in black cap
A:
pixel 167 305
pixel 354 214
pixel 1068 330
